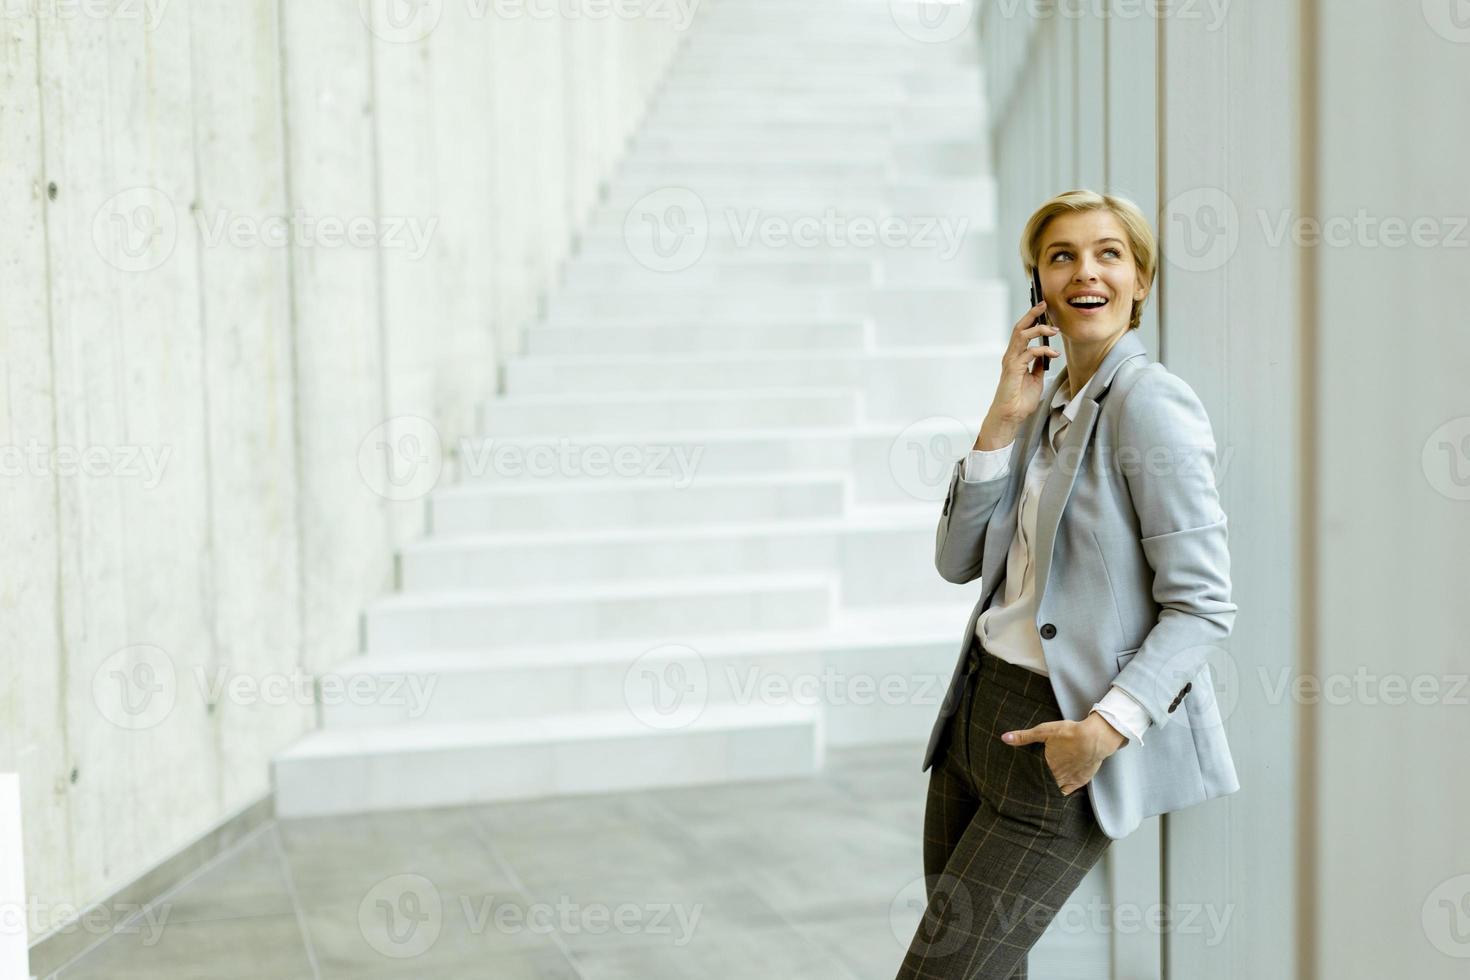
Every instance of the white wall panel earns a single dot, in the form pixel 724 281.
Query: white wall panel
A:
pixel 1228 327
pixel 1104 110
pixel 1391 858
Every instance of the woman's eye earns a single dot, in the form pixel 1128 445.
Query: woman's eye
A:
pixel 1057 255
pixel 1114 251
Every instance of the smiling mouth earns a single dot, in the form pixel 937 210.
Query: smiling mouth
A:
pixel 1087 303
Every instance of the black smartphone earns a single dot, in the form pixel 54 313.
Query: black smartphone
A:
pixel 1036 298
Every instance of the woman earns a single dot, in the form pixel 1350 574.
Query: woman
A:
pixel 1082 702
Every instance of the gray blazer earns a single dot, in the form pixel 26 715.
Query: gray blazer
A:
pixel 1132 577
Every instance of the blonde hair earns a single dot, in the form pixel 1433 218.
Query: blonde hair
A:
pixel 1141 240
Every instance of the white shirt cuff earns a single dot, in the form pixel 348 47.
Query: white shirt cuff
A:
pixel 1125 714
pixel 986 464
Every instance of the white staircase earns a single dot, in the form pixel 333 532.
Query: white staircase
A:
pixel 755 581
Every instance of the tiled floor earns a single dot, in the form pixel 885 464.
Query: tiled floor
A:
pixel 810 879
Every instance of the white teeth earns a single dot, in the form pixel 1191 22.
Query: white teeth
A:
pixel 1088 301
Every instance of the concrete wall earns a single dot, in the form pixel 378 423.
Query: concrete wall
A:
pixel 229 385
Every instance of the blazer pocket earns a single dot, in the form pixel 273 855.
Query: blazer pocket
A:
pixel 1126 656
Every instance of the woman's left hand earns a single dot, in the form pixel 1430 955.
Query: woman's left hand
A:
pixel 1074 750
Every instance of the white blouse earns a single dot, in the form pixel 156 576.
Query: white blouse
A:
pixel 1008 628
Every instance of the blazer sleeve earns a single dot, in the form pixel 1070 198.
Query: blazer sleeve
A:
pixel 1166 451
pixel 959 541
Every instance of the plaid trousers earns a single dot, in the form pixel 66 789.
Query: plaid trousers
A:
pixel 1003 845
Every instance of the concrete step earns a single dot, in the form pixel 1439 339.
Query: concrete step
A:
pixel 773 71
pixel 901 657
pixel 736 61
pixel 816 45
pixel 716 99
pixel 804 85
pixel 897 384
pixel 782 237
pixel 827 46
pixel 943 158
pixel 631 411
pixel 891 463
pixel 772 305
pixel 798 147
pixel 778 305
pixel 874 149
pixel 851 25
pixel 920 121
pixel 580 611
pixel 959 91
pixel 703 199
pixel 597 337
pixel 879 559
pixel 972 196
pixel 764 253
pixel 873 142
pixel 776 133
pixel 964 112
pixel 735 168
pixel 567 506
pixel 359 770
pixel 893 325
pixel 774 268
pixel 818 40
pixel 733 237
pixel 921 79
pixel 941 314
pixel 818 84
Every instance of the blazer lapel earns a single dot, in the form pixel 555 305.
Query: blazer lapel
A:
pixel 1002 526
pixel 1059 482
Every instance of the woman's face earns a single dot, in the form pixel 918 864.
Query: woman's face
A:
pixel 1087 254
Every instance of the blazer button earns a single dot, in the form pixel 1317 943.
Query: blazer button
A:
pixel 1172 706
pixel 1048 631
pixel 1186 689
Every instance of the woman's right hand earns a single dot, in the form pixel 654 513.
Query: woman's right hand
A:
pixel 1021 379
